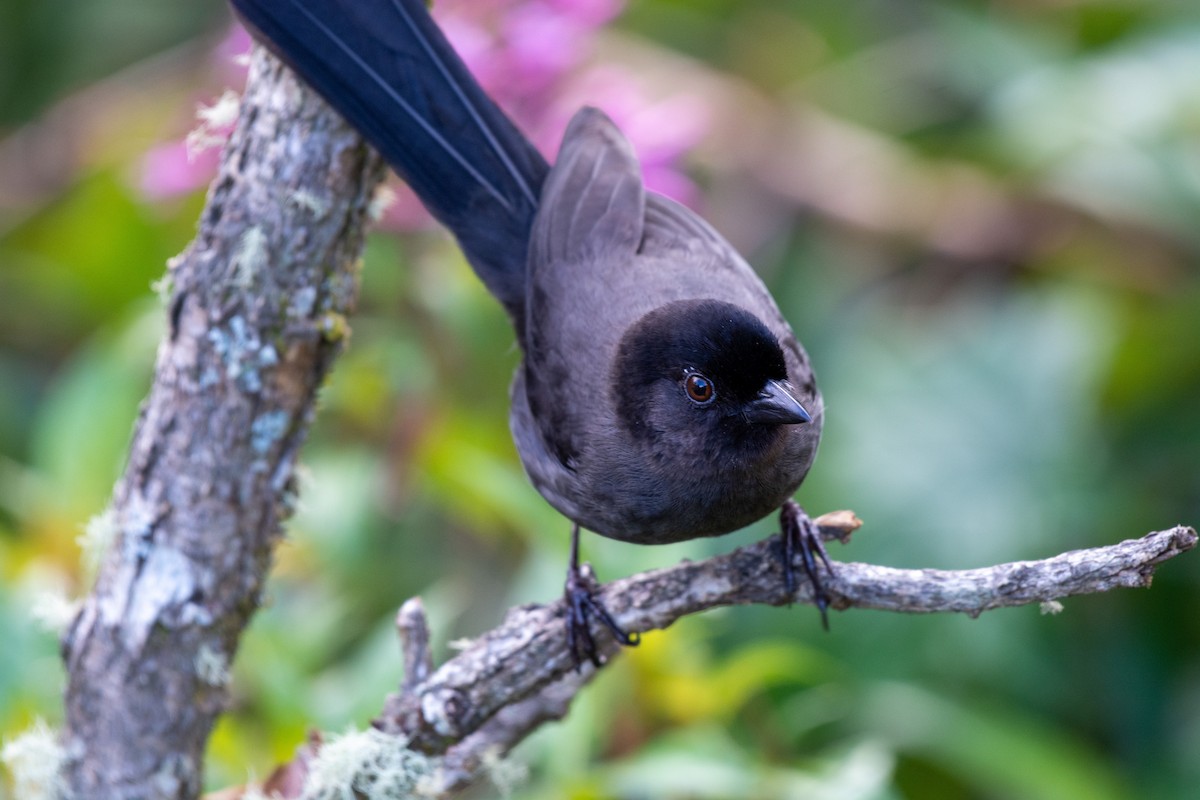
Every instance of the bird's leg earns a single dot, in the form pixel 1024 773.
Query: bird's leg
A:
pixel 581 605
pixel 800 535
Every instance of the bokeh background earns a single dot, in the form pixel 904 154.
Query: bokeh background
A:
pixel 983 220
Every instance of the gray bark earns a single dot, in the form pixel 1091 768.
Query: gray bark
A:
pixel 257 317
pixel 520 674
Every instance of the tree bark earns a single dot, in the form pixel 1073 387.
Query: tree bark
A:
pixel 521 674
pixel 257 316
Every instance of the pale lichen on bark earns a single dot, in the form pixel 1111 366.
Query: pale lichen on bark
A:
pixel 209 477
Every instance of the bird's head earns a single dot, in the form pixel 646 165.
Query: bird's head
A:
pixel 705 376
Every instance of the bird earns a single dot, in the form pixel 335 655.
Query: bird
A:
pixel 661 394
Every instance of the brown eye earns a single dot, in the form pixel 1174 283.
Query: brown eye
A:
pixel 699 388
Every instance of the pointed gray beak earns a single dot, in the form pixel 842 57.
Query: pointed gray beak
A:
pixel 776 406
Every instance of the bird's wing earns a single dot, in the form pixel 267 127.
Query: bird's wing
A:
pixel 583 244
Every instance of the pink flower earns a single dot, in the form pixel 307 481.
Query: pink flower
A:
pixel 168 171
pixel 188 164
pixel 592 13
pixel 233 49
pixel 532 57
pixel 542 45
pixel 662 131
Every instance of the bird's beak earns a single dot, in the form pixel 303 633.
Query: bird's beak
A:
pixel 776 406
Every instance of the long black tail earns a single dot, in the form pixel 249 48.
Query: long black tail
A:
pixel 388 69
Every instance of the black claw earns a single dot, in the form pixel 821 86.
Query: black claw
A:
pixel 800 535
pixel 582 605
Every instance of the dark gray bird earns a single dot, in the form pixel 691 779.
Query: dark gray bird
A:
pixel 662 395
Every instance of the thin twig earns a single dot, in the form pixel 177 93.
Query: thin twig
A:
pixel 413 629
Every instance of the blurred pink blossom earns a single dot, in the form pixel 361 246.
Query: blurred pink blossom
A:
pixel 593 13
pixel 233 50
pixel 187 164
pixel 542 45
pixel 170 169
pixel 662 131
pixel 533 57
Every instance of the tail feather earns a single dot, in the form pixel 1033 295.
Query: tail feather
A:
pixel 389 70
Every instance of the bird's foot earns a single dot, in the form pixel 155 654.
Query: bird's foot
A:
pixel 800 535
pixel 582 607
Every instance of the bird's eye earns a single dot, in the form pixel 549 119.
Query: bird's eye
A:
pixel 699 388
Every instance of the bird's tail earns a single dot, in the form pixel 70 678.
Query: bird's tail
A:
pixel 388 69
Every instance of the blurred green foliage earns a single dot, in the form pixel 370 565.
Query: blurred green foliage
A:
pixel 987 404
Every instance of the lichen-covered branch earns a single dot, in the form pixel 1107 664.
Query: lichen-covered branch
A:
pixel 520 675
pixel 256 318
pixel 524 662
